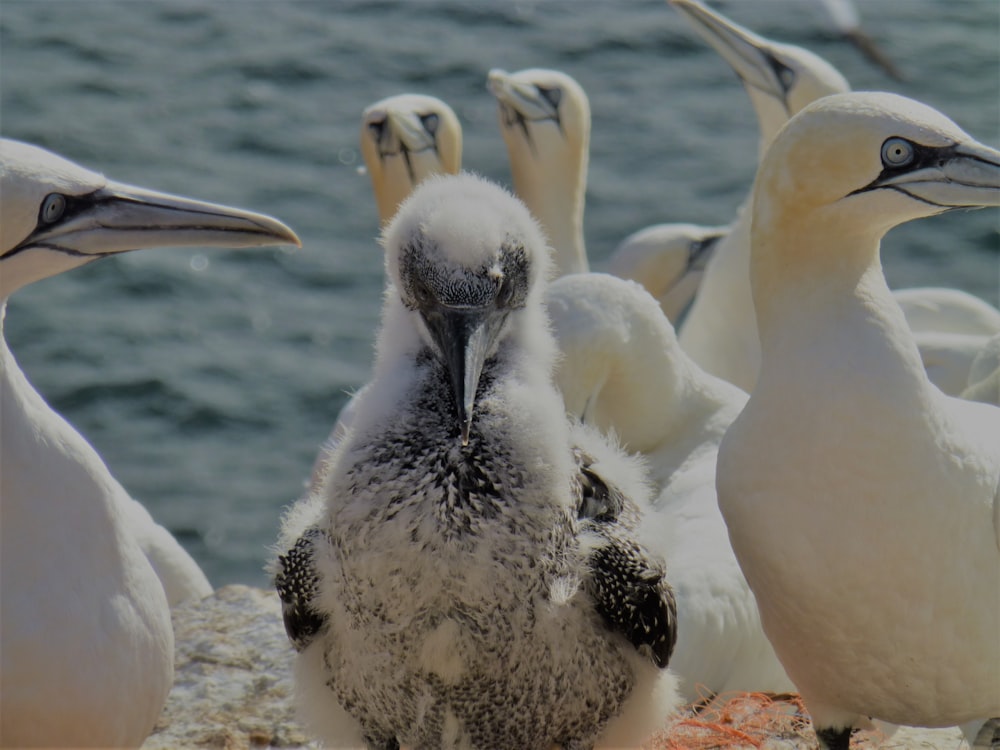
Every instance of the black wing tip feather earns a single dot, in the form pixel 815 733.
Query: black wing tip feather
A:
pixel 297 583
pixel 632 595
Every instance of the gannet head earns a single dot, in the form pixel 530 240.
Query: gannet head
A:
pixel 404 139
pixel 864 162
pixel 467 261
pixel 668 260
pixel 541 112
pixel 544 118
pixel 55 215
pixel 781 79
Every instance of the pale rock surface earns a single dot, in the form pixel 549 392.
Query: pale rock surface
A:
pixel 233 681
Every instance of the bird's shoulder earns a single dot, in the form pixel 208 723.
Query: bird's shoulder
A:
pixel 626 582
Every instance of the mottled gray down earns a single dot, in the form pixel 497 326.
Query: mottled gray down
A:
pixel 488 595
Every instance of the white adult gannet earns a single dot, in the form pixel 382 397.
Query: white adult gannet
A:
pixel 668 260
pixel 862 503
pixel 720 331
pixel 86 645
pixel 622 371
pixel 544 118
pixel 473 580
pixel 404 139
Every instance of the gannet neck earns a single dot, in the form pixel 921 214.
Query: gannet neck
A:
pixel 720 331
pixel 404 139
pixel 544 117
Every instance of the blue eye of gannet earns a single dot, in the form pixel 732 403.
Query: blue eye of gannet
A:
pixel 52 208
pixel 897 152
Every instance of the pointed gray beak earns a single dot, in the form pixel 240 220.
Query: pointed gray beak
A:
pixel 966 175
pixel 118 218
pixel 748 54
pixel 464 336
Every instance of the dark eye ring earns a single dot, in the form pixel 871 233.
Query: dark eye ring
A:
pixel 552 95
pixel 421 293
pixel 377 128
pixel 430 122
pixel 53 207
pixel 897 152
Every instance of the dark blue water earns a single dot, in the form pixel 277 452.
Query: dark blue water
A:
pixel 207 378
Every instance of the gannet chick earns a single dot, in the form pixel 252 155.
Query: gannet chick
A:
pixel 668 260
pixel 720 331
pixel 623 372
pixel 862 503
pixel 544 118
pixel 86 656
pixel 473 580
pixel 404 139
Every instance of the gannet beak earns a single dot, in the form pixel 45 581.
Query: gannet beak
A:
pixel 966 175
pixel 464 336
pixel 412 131
pixel 524 99
pixel 748 54
pixel 117 218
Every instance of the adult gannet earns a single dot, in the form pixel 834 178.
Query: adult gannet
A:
pixel 404 139
pixel 473 580
pixel 622 371
pixel 86 645
pixel 862 503
pixel 720 331
pixel 668 260
pixel 544 118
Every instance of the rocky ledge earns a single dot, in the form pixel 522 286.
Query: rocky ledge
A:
pixel 233 690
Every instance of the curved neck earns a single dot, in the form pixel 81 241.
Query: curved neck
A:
pixel 553 189
pixel 822 302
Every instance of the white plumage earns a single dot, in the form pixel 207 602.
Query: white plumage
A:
pixel 404 140
pixel 623 371
pixel 85 636
pixel 467 579
pixel 669 260
pixel 544 118
pixel 862 503
pixel 720 331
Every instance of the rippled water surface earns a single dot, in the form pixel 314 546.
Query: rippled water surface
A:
pixel 208 378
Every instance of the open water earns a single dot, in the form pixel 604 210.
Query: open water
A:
pixel 207 378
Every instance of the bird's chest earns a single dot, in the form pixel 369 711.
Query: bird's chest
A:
pixel 425 525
